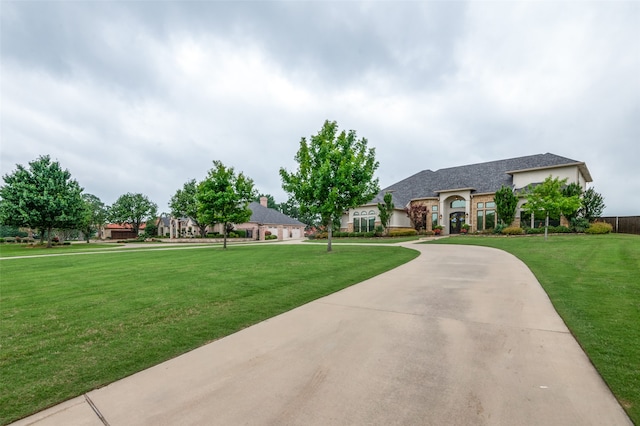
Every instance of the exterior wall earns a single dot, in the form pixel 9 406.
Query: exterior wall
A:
pixel 399 218
pixel 571 173
pixel 473 214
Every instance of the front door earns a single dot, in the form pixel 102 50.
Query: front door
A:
pixel 456 220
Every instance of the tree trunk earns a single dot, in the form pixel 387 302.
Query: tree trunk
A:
pixel 224 237
pixel 546 226
pixel 329 235
pixel 49 230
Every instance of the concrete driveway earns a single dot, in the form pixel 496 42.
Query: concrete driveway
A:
pixel 459 336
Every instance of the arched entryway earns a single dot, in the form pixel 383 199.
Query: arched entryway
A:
pixel 456 220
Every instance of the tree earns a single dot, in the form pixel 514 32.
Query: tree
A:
pixel 335 173
pixel 94 216
pixel 592 205
pixel 41 197
pixel 386 210
pixel 224 197
pixel 292 209
pixel 184 203
pixel 271 202
pixel 132 209
pixel 547 198
pixel 506 203
pixel 418 216
pixel 568 191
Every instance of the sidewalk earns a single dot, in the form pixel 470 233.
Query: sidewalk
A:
pixel 459 336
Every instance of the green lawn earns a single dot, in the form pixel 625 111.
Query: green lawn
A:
pixel 70 324
pixel 594 284
pixel 375 240
pixel 12 249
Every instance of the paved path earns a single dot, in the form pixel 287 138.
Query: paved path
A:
pixel 459 336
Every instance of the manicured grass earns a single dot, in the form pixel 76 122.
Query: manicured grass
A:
pixel 14 249
pixel 376 240
pixel 594 284
pixel 70 324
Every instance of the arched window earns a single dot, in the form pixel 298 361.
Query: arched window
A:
pixel 456 204
pixel 372 213
pixel 356 214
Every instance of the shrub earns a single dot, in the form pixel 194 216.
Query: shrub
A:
pixel 242 233
pixel 534 230
pixel 579 224
pixel 512 230
pixel 271 237
pixel 370 234
pixel 498 229
pixel 559 230
pixel 599 228
pixel 1 240
pixel 267 233
pixel 403 233
pixel 67 243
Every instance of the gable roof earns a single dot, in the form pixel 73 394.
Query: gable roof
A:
pixel 479 178
pixel 264 215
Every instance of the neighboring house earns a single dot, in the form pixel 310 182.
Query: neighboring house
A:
pixel 262 219
pixel 182 227
pixel 265 219
pixel 464 194
pixel 116 231
pixel 163 224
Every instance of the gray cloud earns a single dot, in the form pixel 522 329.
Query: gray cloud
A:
pixel 142 96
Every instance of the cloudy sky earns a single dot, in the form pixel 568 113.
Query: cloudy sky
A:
pixel 142 96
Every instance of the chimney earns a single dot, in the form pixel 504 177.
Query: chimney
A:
pixel 263 201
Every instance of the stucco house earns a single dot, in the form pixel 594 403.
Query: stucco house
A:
pixel 262 219
pixel 265 219
pixel 465 194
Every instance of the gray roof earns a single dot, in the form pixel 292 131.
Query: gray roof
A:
pixel 479 178
pixel 264 215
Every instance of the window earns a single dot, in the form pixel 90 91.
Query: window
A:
pixel 490 219
pixel 434 208
pixel 434 220
pixel 364 224
pixel 486 216
pixel 457 204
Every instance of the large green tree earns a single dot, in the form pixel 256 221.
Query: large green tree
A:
pixel 42 196
pixel 224 197
pixel 547 199
pixel 94 216
pixel 506 203
pixel 592 205
pixel 386 211
pixel 335 173
pixel 133 209
pixel 185 204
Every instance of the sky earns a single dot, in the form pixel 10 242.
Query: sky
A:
pixel 142 96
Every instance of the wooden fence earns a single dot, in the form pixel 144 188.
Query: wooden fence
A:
pixel 623 224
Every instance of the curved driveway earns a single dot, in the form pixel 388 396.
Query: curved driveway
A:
pixel 459 336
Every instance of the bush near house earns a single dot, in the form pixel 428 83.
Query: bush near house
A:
pixel 599 228
pixel 513 230
pixel 403 233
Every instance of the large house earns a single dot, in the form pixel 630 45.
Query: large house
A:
pixel 465 194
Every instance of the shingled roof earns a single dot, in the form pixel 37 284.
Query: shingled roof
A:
pixel 479 178
pixel 264 215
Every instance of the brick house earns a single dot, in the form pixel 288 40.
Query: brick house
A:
pixel 465 194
